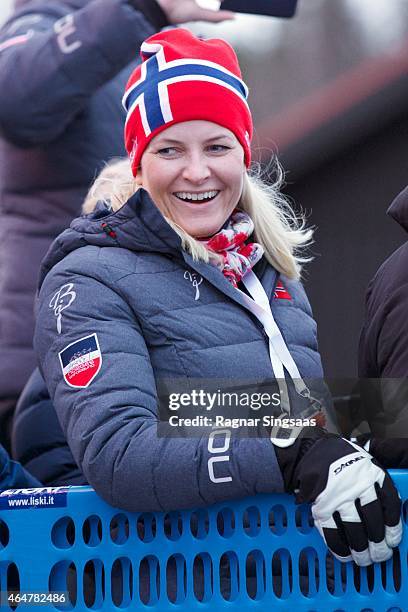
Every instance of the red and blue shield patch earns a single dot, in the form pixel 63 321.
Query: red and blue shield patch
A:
pixel 81 361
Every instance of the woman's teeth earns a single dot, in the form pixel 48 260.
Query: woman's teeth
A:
pixel 196 197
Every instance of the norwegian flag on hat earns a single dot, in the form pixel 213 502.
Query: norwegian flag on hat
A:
pixel 184 78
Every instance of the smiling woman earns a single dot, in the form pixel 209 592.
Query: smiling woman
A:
pixel 185 270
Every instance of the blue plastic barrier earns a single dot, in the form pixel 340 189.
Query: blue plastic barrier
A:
pixel 259 553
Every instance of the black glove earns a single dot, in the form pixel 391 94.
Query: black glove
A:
pixel 390 453
pixel 355 505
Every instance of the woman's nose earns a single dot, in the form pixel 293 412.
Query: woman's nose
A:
pixel 196 169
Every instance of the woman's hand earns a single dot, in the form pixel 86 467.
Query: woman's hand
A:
pixel 355 505
pixel 181 11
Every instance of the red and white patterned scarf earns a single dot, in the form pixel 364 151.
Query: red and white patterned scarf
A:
pixel 238 256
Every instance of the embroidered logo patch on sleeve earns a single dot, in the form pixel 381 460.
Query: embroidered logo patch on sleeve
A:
pixel 281 293
pixel 81 361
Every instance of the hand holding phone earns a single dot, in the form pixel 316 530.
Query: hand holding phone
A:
pixel 182 11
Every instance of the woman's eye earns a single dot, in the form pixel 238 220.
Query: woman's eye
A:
pixel 167 151
pixel 216 148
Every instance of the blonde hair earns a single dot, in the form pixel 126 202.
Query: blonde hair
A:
pixel 277 228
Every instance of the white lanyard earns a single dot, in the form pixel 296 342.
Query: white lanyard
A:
pixel 280 356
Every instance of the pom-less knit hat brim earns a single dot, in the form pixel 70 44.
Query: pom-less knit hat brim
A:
pixel 183 78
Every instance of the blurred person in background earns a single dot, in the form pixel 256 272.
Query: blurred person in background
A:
pixel 63 65
pixel 383 354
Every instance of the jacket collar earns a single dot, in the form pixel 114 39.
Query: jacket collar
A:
pixel 139 226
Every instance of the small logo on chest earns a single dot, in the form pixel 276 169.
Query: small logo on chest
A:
pixel 281 293
pixel 196 280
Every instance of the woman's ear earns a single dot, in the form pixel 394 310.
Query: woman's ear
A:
pixel 139 177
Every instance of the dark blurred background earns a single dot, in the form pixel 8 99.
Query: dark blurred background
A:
pixel 329 91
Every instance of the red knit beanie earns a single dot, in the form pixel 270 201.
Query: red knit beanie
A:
pixel 184 78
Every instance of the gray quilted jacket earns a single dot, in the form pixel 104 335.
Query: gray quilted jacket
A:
pixel 129 308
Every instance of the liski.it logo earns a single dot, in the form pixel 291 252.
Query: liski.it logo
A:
pixel 26 499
